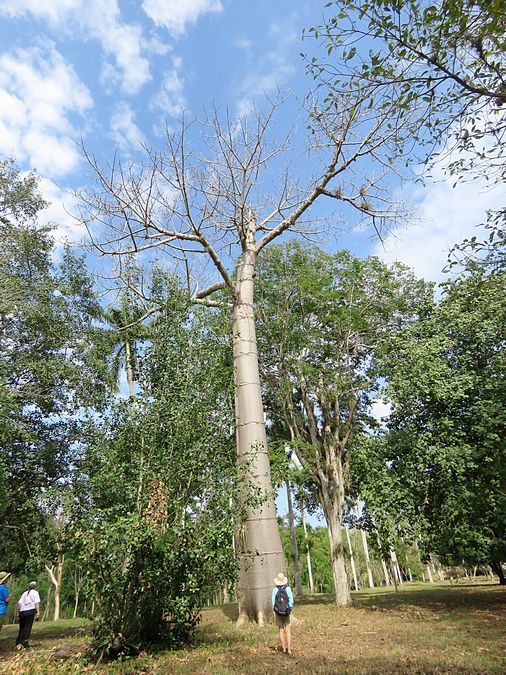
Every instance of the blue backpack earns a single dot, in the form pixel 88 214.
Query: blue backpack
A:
pixel 281 602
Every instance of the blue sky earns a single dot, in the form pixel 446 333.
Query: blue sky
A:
pixel 113 71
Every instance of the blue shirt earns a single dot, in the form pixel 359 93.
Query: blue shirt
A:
pixel 288 592
pixel 4 593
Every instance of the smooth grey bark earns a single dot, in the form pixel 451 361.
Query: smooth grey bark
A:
pixel 370 577
pixel 352 559
pixel 308 554
pixel 293 541
pixel 259 550
pixel 56 580
pixel 395 567
pixel 383 563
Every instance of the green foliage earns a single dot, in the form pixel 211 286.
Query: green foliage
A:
pixel 443 450
pixel 48 361
pixel 158 487
pixel 442 65
pixel 320 320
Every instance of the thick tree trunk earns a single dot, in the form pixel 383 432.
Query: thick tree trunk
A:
pixel 343 597
pixel 497 568
pixel 352 559
pixel 308 554
pixel 293 541
pixel 333 506
pixel 259 551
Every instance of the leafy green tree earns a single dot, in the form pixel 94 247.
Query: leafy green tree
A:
pixel 441 63
pixel 157 496
pixel 321 317
pixel 50 366
pixel 442 455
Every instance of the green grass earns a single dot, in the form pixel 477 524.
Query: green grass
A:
pixel 424 628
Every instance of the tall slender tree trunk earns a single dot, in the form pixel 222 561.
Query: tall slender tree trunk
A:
pixel 259 550
pixel 47 604
pixel 293 541
pixel 352 559
pixel 429 574
pixel 383 563
pixel 56 580
pixel 129 369
pixel 395 567
pixel 308 554
pixel 363 533
pixel 370 577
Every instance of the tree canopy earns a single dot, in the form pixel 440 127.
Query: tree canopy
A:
pixel 442 64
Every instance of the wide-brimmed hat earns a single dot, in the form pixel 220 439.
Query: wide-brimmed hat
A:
pixel 4 576
pixel 280 580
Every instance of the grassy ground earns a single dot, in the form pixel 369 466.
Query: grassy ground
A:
pixel 422 629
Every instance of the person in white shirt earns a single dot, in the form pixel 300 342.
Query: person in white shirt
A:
pixel 28 610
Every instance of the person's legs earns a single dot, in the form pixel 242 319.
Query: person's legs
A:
pixel 282 639
pixel 25 627
pixel 288 639
pixel 28 627
pixel 21 631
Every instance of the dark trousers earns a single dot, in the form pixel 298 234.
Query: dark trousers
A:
pixel 25 627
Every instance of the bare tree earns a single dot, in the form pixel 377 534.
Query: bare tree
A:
pixel 211 211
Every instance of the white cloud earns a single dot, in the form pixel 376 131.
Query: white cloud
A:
pixel 174 15
pixel 170 99
pixel 126 134
pixel 271 70
pixel 446 215
pixel 242 43
pixel 50 11
pixel 39 94
pixel 61 205
pixel 97 19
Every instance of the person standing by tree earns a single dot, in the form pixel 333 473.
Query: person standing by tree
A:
pixel 28 610
pixel 5 596
pixel 282 605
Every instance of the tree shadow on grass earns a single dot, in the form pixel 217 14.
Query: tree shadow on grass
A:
pixel 436 599
pixel 231 611
pixel 41 633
